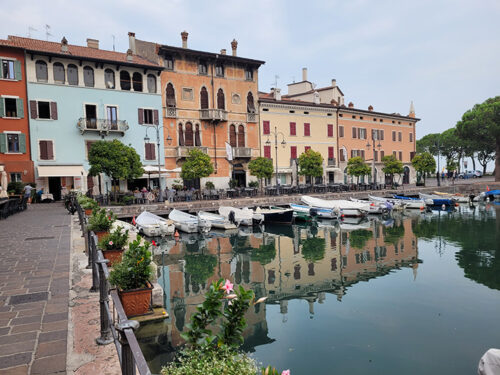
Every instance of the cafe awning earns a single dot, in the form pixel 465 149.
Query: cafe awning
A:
pixel 61 171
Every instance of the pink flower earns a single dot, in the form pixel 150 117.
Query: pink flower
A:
pixel 110 243
pixel 285 372
pixel 228 287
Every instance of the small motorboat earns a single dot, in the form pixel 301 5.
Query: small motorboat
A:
pixel 397 204
pixel 413 203
pixel 237 216
pixel 189 223
pixel 459 198
pixel 217 221
pixel 302 212
pixel 345 207
pixel 375 208
pixel 275 215
pixel 488 196
pixel 152 225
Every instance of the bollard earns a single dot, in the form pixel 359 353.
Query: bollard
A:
pixel 128 364
pixel 93 255
pixel 106 336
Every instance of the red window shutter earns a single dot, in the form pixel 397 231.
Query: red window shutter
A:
pixel 146 149
pixel 330 130
pixel 43 150
pixel 266 127
pixel 293 128
pixel 50 150
pixel 341 131
pixel 330 152
pixel 293 152
pixel 307 129
pixel 53 110
pixel 267 152
pixel 155 117
pixel 354 133
pixel 33 109
pixel 307 148
pixel 141 116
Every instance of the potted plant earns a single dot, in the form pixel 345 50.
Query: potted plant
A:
pixel 101 221
pixel 132 278
pixel 113 245
pixel 253 184
pixel 88 205
pixel 128 200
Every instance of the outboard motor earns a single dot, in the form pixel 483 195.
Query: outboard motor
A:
pixel 313 212
pixel 232 217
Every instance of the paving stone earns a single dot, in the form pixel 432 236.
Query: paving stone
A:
pixel 25 328
pixel 52 336
pixel 26 320
pixel 48 318
pixel 15 360
pixel 55 326
pixel 11 339
pixel 47 365
pixel 46 349
pixel 19 370
pixel 18 347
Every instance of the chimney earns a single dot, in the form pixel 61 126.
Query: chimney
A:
pixel 370 108
pixel 64 44
pixel 131 42
pixel 412 110
pixel 92 43
pixel 316 98
pixel 184 36
pixel 334 82
pixel 277 94
pixel 304 74
pixel 223 51
pixel 234 46
pixel 130 57
pixel 351 105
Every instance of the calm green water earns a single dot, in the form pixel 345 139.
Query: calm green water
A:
pixel 416 294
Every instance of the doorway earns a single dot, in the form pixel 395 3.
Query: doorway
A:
pixel 195 183
pixel 55 187
pixel 331 177
pixel 406 175
pixel 240 177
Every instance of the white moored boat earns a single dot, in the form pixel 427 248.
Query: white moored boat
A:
pixel 237 216
pixel 346 208
pixel 412 203
pixel 188 223
pixel 153 225
pixel 396 204
pixel 324 213
pixel 217 221
pixel 375 207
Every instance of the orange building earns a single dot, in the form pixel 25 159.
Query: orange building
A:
pixel 15 153
pixel 209 99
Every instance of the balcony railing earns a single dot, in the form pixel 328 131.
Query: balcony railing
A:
pixel 170 112
pixel 251 117
pixel 242 152
pixel 213 114
pixel 332 162
pixel 102 126
pixel 183 151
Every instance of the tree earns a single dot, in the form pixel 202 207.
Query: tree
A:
pixel 424 163
pixel 357 167
pixel 359 237
pixel 261 168
pixel 428 143
pixel 392 166
pixel 313 249
pixel 116 160
pixel 482 124
pixel 197 165
pixel 311 164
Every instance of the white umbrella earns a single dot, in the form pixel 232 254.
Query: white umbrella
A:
pixel 3 182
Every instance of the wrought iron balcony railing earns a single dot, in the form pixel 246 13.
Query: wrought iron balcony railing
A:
pixel 102 126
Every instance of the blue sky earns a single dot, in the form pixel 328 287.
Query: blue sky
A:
pixel 443 55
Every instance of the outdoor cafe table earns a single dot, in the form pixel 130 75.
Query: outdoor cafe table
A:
pixel 231 193
pixel 286 189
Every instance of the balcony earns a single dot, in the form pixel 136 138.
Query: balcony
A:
pixel 103 127
pixel 242 152
pixel 183 151
pixel 213 115
pixel 332 162
pixel 251 117
pixel 170 112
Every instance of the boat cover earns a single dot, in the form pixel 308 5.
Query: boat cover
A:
pixel 489 363
pixel 491 192
pixel 147 218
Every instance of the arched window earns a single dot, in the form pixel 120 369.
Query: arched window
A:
pixel 88 76
pixel 151 83
pixel 137 81
pixel 170 95
pixel 125 80
pixel 250 103
pixel 241 136
pixel 73 75
pixel 189 135
pixel 204 98
pixel 220 100
pixel 109 79
pixel 41 71
pixel 59 73
pixel 197 137
pixel 232 136
pixel 181 136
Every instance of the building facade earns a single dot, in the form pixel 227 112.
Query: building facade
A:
pixel 79 95
pixel 15 150
pixel 209 99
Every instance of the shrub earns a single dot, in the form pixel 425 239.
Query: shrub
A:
pixel 15 187
pixel 115 240
pixel 101 220
pixel 88 203
pixel 209 185
pixel 128 199
pixel 253 184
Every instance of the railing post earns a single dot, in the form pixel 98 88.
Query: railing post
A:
pixel 93 250
pixel 106 336
pixel 128 364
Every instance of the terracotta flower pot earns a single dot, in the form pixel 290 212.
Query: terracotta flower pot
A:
pixel 88 211
pixel 101 234
pixel 136 301
pixel 114 256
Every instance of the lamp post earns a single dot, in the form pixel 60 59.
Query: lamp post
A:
pixel 437 174
pixel 283 143
pixel 169 141
pixel 374 148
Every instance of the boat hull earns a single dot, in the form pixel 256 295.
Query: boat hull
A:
pixel 281 217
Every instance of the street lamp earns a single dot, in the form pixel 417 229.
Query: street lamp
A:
pixel 378 147
pixel 438 150
pixel 146 140
pixel 283 143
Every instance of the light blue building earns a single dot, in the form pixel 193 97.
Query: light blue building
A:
pixel 79 95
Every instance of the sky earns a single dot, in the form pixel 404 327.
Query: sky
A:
pixel 443 55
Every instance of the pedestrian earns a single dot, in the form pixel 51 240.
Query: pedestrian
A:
pixel 27 192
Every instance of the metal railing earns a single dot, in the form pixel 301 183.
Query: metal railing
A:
pixel 103 126
pixel 115 326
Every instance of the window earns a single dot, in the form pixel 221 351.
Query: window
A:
pixel 354 133
pixel 109 79
pixel 219 70
pixel 197 138
pixel 150 151
pixel 202 67
pixel 341 131
pixel 393 136
pixel 382 154
pixel 267 152
pixel 249 74
pixel 330 152
pixel 72 75
pixel 232 136
pixel 88 76
pixel 362 133
pixel 293 152
pixel 293 128
pixel 330 130
pixel 88 146
pixel 148 117
pixel 181 135
pixel 59 73
pixel 16 177
pixel 8 71
pixel 125 80
pixel 41 71
pixel 46 149
pixel 220 99
pixel 151 84
pixel 241 136
pixel 43 110
pixel 375 155
pixel 137 81
pixel 112 117
pixel 296 272
pixel 170 95
pixel 381 120
pixel 307 129
pixel 353 116
pixel 400 136
pixel 169 62
pixel 394 153
pixel 12 142
pixel 411 137
pixel 250 103
pixel 204 98
pixel 400 154
pixel 362 154
pixel 343 154
pixel 11 107
pixel 91 116
pixel 266 127
pixel 361 117
pixel 381 135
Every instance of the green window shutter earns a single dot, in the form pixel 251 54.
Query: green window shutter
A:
pixel 22 143
pixel 20 108
pixel 17 70
pixel 1 107
pixel 3 143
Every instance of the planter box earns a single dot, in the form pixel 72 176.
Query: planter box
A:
pixel 88 211
pixel 100 235
pixel 114 256
pixel 136 301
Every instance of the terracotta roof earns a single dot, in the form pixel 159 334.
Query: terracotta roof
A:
pixel 54 48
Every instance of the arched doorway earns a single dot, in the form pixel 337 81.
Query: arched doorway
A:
pixel 406 175
pixel 239 174
pixel 345 175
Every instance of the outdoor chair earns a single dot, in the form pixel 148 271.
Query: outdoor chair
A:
pixel 4 209
pixel 13 205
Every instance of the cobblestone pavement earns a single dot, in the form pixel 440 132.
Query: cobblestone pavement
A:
pixel 34 290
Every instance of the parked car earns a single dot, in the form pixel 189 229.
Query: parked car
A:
pixel 470 174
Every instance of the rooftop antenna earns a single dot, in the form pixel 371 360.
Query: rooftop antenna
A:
pixel 293 79
pixel 47 32
pixel 113 42
pixel 276 77
pixel 30 29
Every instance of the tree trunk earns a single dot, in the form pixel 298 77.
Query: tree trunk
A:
pixel 497 160
pixel 473 162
